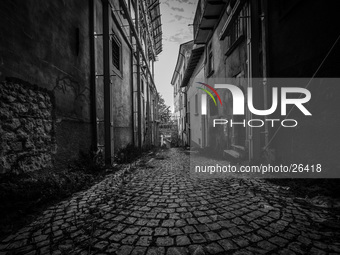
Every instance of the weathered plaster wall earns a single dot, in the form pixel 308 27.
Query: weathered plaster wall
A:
pixel 122 96
pixel 297 47
pixel 226 68
pixel 27 137
pixel 47 43
pixel 196 119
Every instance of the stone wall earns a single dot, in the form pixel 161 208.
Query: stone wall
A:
pixel 56 55
pixel 27 137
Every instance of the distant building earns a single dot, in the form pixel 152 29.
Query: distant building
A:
pixel 96 58
pixel 180 95
pixel 237 41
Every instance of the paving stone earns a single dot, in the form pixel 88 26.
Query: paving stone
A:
pixel 161 231
pixel 296 247
pixel 266 245
pixel 241 241
pixel 227 244
pixel 286 252
pixel 165 207
pixel 175 231
pixel 161 216
pixel 144 241
pixel 192 221
pixel 139 251
pixel 264 233
pixel 117 237
pixel 22 250
pixel 204 219
pixel 256 250
pixel 156 251
pixel 226 224
pixel 213 248
pixel 153 223
pixel 165 241
pixel 177 251
pixel 180 223
pixel 196 250
pixel 278 241
pixel 315 251
pixel 235 231
pixel 253 238
pixel 119 218
pixel 124 250
pixel 130 239
pixel 197 238
pixel 182 241
pixel 202 228
pixel 243 252
pixel 131 230
pixel 168 223
pixel 211 236
pixel 130 220
pixel 145 231
pixel 101 245
pixel 189 230
pixel 213 226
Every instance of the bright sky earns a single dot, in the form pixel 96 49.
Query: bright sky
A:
pixel 176 16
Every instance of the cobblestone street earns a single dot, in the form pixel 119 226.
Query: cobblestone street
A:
pixel 158 209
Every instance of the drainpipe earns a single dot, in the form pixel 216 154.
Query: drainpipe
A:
pixel 132 103
pixel 138 48
pixel 107 82
pixel 255 64
pixel 264 67
pixel 249 74
pixel 136 35
pixel 148 115
pixel 131 87
pixel 93 76
pixel 147 30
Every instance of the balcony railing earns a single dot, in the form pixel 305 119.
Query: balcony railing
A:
pixel 206 17
pixel 198 16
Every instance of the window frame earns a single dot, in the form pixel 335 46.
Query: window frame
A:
pixel 210 60
pixel 237 31
pixel 115 40
pixel 196 104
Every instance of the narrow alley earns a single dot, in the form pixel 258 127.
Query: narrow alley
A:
pixel 156 207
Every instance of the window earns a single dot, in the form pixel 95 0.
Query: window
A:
pixel 285 6
pixel 180 101
pixel 212 108
pixel 210 60
pixel 142 86
pixel 196 104
pixel 234 32
pixel 188 113
pixel 237 30
pixel 116 53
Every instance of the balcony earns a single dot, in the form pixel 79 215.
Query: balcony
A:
pixel 207 15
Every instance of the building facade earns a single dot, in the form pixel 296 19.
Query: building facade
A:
pixel 249 44
pixel 180 95
pixel 96 60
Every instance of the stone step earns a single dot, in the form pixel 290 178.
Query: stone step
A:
pixel 238 148
pixel 232 153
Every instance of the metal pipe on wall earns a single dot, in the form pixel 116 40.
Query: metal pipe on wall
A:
pixel 93 76
pixel 264 69
pixel 136 35
pixel 107 82
pixel 139 119
pixel 255 70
